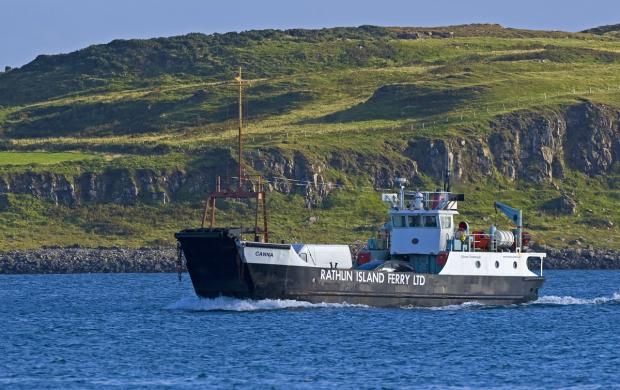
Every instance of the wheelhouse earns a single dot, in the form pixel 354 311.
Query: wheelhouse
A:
pixel 424 232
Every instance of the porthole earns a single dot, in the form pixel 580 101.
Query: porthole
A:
pixel 477 264
pixel 514 265
pixel 497 264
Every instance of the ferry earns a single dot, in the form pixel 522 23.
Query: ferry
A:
pixel 420 257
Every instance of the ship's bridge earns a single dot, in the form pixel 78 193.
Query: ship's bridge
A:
pixel 421 231
pixel 421 223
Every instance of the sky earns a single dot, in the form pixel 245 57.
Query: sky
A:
pixel 32 27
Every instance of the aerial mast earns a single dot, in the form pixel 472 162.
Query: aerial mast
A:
pixel 240 80
pixel 240 193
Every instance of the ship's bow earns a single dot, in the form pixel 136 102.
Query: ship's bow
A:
pixel 214 262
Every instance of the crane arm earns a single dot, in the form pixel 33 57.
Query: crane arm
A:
pixel 516 216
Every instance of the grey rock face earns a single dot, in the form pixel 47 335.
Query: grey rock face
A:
pixel 121 186
pixel 529 146
pixel 430 156
pixel 4 202
pixel 4 185
pixel 561 205
pixel 533 146
pixel 298 173
pixel 593 138
pixel 87 184
pixel 470 158
pixel 52 187
pixel 538 146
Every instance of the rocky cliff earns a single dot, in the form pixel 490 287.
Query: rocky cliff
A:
pixel 529 145
pixel 286 171
pixel 536 146
pixel 121 186
pixel 539 146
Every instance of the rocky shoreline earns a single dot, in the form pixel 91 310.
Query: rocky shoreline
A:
pixel 88 260
pixel 119 260
pixel 580 258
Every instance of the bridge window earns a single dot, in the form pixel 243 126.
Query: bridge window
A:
pixel 446 221
pixel 415 221
pixel 399 221
pixel 430 221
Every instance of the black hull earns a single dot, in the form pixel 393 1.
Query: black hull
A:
pixel 216 269
pixel 214 263
pixel 305 284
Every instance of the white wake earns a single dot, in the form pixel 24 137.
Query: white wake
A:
pixel 568 300
pixel 462 306
pixel 545 300
pixel 194 303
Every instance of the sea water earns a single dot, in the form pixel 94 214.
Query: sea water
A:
pixel 147 330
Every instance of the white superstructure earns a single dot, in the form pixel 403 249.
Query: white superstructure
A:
pixel 423 232
pixel 303 255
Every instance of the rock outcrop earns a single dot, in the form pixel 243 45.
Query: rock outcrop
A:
pixel 563 204
pixel 299 173
pixel 592 140
pixel 286 171
pixel 5 203
pixel 120 186
pixel 528 145
pixel 539 146
pixel 471 158
pixel 525 145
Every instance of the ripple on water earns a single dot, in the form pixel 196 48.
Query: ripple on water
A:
pixel 132 330
pixel 193 303
pixel 569 300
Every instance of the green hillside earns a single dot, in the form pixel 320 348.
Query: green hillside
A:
pixel 612 30
pixel 350 106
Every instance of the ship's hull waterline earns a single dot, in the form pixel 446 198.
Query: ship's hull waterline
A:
pixel 217 267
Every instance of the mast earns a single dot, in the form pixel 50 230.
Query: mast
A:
pixel 240 80
pixel 258 194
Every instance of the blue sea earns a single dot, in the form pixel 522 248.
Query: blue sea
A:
pixel 149 330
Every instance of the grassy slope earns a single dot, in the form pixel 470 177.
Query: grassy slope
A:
pixel 43 158
pixel 313 95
